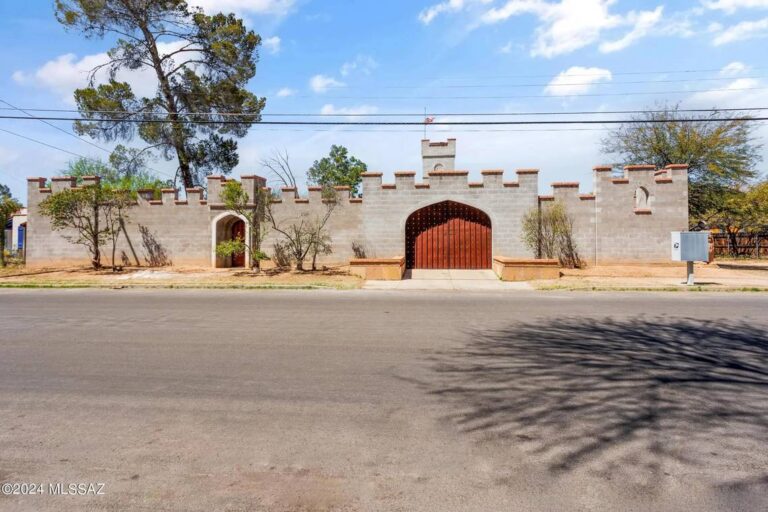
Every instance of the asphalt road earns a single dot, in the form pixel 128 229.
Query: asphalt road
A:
pixel 364 400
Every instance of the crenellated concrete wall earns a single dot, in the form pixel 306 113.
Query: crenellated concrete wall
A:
pixel 625 218
pixel 388 206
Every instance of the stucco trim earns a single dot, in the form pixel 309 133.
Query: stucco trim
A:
pixel 214 224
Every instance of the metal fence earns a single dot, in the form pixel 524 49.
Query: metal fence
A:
pixel 741 245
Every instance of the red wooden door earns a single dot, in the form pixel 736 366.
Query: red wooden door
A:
pixel 448 235
pixel 238 233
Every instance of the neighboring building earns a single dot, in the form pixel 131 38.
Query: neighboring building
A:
pixel 15 233
pixel 443 221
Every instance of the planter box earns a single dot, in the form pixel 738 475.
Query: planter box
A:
pixel 510 269
pixel 381 269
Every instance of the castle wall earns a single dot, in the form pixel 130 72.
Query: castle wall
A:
pixel 626 232
pixel 180 230
pixel 625 219
pixel 388 206
pixel 344 224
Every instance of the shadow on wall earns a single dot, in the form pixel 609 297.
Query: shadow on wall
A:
pixel 155 254
pixel 638 395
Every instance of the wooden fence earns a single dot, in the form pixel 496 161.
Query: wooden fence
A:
pixel 742 245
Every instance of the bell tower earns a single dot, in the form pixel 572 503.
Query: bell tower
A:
pixel 438 156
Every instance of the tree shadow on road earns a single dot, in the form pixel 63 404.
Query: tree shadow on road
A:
pixel 610 394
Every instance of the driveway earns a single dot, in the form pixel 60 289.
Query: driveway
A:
pixel 445 280
pixel 367 400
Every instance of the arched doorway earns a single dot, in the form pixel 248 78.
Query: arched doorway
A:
pixel 448 235
pixel 228 227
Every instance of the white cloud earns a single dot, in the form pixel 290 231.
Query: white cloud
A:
pixel 271 44
pixel 507 48
pixel 66 73
pixel 363 64
pixel 430 13
pixel 285 92
pixel 321 83
pixel 568 25
pixel 740 92
pixel 731 6
pixel 742 31
pixel 577 80
pixel 643 23
pixel 275 7
pixel 734 68
pixel 359 110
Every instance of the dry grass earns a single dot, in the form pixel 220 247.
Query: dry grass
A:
pixel 177 277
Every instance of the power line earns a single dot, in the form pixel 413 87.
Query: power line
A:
pixel 42 143
pixel 405 114
pixel 547 96
pixel 545 84
pixel 76 136
pixel 402 123
pixel 618 73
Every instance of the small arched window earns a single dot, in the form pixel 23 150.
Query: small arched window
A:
pixel 642 199
pixel 438 167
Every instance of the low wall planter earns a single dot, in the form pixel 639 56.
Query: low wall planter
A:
pixel 511 269
pixel 379 269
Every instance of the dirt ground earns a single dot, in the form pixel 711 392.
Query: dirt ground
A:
pixel 723 275
pixel 719 275
pixel 178 277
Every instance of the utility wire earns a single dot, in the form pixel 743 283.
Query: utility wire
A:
pixel 403 114
pixel 545 84
pixel 548 96
pixel 618 73
pixel 75 136
pixel 42 143
pixel 402 123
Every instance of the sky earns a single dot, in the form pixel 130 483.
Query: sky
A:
pixel 346 57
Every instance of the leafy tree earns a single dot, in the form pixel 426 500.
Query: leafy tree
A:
pixel 8 206
pixel 722 156
pixel 741 211
pixel 548 232
pixel 123 176
pixel 78 210
pixel 338 168
pixel 89 216
pixel 236 200
pixel 202 64
pixel 114 211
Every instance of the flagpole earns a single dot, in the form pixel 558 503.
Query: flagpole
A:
pixel 425 122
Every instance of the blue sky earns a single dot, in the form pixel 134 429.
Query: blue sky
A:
pixel 455 56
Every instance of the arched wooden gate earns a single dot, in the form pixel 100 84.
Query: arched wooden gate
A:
pixel 448 235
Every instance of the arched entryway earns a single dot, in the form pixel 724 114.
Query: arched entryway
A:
pixel 228 227
pixel 448 235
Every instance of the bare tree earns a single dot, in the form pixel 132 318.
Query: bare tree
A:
pixel 548 231
pixel 278 165
pixel 305 234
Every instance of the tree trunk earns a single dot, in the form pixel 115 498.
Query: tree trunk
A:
pixel 177 133
pixel 96 255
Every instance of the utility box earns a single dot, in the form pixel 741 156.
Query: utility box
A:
pixel 690 246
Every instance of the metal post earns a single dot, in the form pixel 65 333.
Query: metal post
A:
pixel 689 265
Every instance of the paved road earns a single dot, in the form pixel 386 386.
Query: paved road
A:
pixel 305 401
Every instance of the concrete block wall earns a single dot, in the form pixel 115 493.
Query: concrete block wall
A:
pixel 344 224
pixel 438 155
pixel 180 229
pixel 581 208
pixel 628 231
pixel 610 225
pixel 388 206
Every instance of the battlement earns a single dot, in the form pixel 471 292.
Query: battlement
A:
pixel 449 179
pixel 438 156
